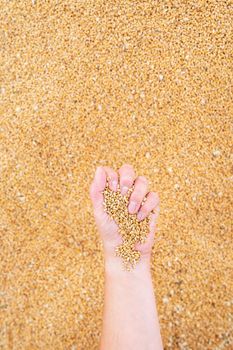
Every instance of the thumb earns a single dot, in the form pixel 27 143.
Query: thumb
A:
pixel 98 185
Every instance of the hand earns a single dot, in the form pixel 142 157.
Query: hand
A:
pixel 107 227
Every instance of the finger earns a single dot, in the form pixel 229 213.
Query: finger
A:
pixel 152 227
pixel 149 241
pixel 152 200
pixel 97 186
pixel 139 192
pixel 127 177
pixel 154 219
pixel 152 230
pixel 113 178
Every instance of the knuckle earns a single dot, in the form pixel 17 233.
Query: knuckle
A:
pixel 146 207
pixel 125 181
pixel 143 179
pixel 155 197
pixel 135 198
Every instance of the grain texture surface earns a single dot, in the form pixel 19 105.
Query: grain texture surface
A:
pixel 88 83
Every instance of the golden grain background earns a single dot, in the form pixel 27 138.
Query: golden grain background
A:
pixel 88 83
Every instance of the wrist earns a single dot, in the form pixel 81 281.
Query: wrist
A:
pixel 115 264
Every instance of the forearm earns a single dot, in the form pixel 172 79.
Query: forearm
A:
pixel 130 316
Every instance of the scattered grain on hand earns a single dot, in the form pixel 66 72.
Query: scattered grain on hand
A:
pixel 131 230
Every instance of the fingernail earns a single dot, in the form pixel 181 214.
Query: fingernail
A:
pixel 124 190
pixel 132 207
pixel 114 185
pixel 140 216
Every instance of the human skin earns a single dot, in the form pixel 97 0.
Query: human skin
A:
pixel 130 319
